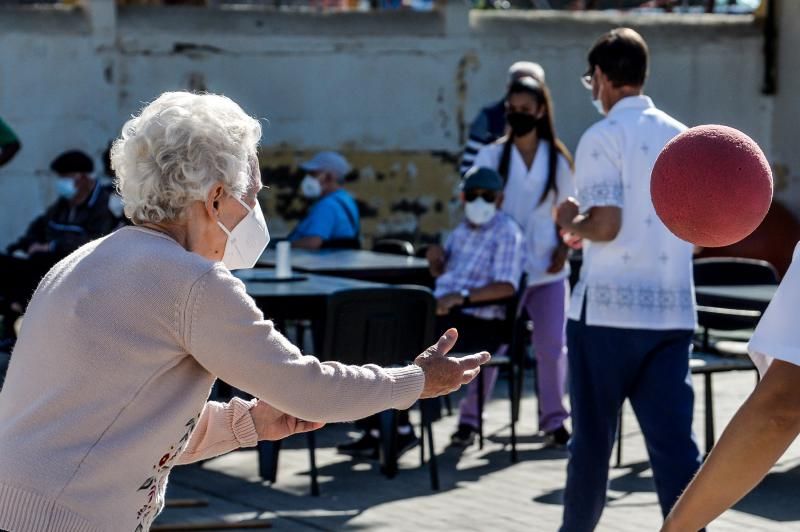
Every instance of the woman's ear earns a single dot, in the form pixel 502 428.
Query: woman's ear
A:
pixel 213 200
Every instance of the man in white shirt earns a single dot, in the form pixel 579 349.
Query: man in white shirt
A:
pixel 632 313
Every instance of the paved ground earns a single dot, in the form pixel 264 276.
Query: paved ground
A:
pixel 481 490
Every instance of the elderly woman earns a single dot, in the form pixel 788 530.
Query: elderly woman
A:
pixel 123 339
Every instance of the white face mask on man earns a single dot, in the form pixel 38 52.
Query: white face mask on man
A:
pixel 479 211
pixel 598 103
pixel 247 241
pixel 66 187
pixel 310 187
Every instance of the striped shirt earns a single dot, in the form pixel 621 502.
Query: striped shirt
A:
pixel 488 126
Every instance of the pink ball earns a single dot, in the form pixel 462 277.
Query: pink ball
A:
pixel 711 185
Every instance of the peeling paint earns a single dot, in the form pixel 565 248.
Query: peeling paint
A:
pixel 399 194
pixel 468 62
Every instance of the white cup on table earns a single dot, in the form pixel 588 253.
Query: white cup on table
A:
pixel 283 260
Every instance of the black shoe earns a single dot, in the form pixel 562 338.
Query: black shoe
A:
pixel 464 436
pixel 364 447
pixel 406 442
pixel 557 439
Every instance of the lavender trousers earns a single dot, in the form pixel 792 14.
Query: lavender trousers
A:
pixel 546 307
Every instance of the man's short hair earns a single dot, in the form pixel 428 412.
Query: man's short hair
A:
pixel 622 55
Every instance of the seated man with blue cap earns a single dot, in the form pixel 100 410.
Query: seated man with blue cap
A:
pixel 480 262
pixel 333 221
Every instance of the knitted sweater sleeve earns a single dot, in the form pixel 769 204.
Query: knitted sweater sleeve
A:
pixel 227 334
pixel 222 427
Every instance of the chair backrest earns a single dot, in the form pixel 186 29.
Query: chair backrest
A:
pixel 504 333
pixel 422 251
pixel 733 271
pixel 394 246
pixel 385 326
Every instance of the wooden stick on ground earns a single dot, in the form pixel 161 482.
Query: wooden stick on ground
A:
pixel 213 525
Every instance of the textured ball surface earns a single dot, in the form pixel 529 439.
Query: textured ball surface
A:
pixel 711 185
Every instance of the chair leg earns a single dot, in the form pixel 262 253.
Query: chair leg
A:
pixel 427 405
pixel 512 399
pixel 480 410
pixel 448 405
pixel 421 436
pixel 312 455
pixel 388 444
pixel 619 436
pixel 709 398
pixel 268 452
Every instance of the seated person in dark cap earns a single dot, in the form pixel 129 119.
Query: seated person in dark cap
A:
pixel 333 221
pixel 481 262
pixel 80 214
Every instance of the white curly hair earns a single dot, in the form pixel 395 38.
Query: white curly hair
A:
pixel 177 148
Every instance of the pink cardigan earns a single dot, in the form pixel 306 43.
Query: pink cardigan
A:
pixel 108 384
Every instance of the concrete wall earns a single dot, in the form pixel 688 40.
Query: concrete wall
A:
pixel 395 91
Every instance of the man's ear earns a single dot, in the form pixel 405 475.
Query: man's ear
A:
pixel 499 200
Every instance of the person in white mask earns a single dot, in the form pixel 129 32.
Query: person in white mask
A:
pixel 333 220
pixel 80 213
pixel 481 261
pixel 108 385
pixel 536 169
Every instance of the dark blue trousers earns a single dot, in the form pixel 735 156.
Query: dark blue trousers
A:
pixel 650 368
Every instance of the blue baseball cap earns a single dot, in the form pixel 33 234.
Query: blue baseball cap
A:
pixel 483 178
pixel 327 161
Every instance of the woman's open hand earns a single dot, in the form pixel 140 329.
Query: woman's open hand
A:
pixel 445 374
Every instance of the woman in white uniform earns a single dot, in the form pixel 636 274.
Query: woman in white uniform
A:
pixel 536 167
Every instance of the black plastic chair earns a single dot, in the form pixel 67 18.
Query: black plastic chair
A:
pixel 394 246
pixel 729 272
pixel 385 326
pixel 732 271
pixel 512 333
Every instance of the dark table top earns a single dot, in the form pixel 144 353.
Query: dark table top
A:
pixel 302 297
pixel 357 264
pixel 262 283
pixel 746 297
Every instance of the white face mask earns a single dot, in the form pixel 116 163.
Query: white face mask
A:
pixel 116 205
pixel 310 187
pixel 66 187
pixel 247 241
pixel 480 211
pixel 598 103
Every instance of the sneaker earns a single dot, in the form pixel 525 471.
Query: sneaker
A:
pixel 364 447
pixel 406 442
pixel 557 439
pixel 464 436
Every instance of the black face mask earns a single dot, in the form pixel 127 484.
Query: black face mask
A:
pixel 521 123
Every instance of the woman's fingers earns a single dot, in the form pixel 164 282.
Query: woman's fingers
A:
pixel 306 426
pixel 446 342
